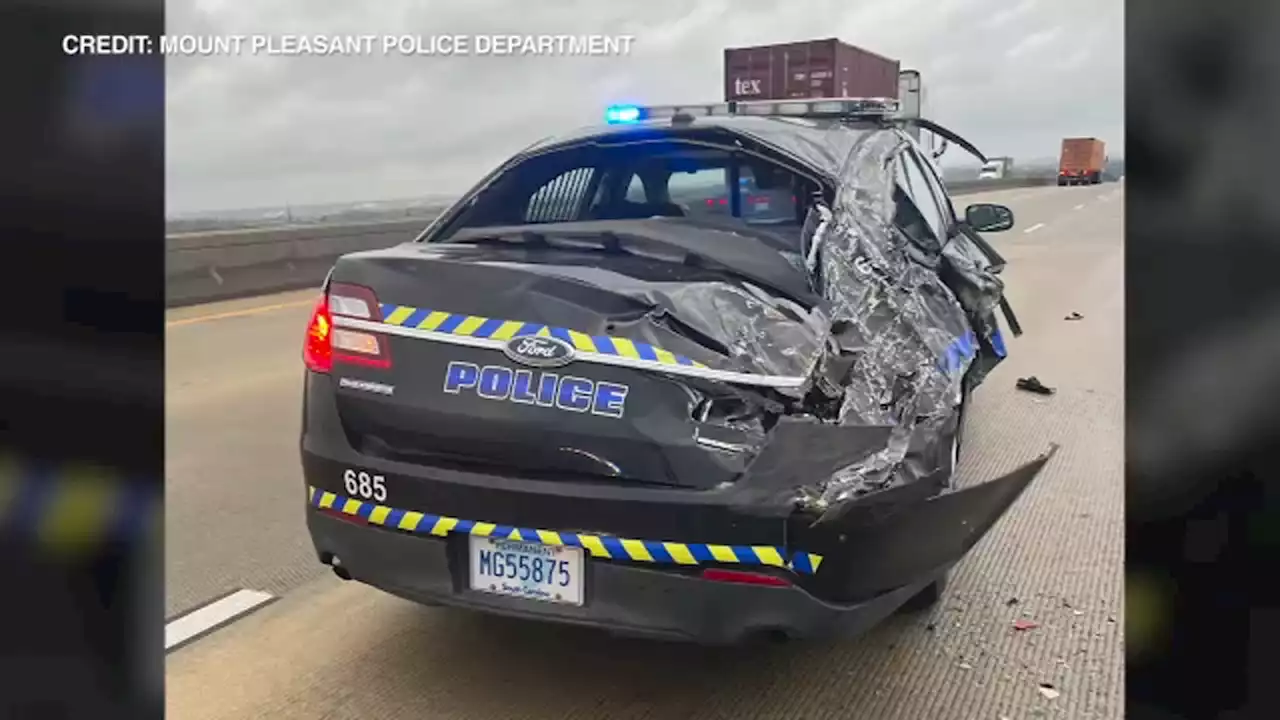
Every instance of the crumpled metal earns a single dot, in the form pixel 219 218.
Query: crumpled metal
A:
pixel 911 325
pixel 911 334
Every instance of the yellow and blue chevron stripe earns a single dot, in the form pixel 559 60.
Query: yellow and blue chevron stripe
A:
pixel 600 546
pixel 72 509
pixel 492 329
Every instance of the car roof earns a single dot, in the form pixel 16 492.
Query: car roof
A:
pixel 823 145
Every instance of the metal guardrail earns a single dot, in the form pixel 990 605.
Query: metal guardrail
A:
pixel 208 266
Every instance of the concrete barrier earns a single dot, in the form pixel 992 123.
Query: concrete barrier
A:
pixel 209 266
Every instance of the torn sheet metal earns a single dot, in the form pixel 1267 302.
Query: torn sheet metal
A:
pixel 910 322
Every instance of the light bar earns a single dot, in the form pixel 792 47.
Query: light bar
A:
pixel 834 108
pixel 619 114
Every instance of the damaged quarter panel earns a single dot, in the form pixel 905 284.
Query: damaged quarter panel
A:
pixel 905 334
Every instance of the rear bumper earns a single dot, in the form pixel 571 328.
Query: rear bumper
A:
pixel 620 598
pixel 852 568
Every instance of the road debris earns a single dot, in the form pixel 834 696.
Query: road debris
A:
pixel 1049 691
pixel 1074 316
pixel 1024 624
pixel 1033 384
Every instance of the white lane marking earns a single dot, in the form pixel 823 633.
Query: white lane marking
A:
pixel 1034 228
pixel 1080 207
pixel 212 616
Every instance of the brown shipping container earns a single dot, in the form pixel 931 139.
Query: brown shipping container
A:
pixel 813 69
pixel 1082 156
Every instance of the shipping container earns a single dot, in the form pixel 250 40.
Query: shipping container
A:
pixel 812 69
pixel 1082 161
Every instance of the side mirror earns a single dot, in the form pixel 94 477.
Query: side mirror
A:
pixel 988 217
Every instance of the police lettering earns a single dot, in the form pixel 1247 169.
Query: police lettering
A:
pixel 564 392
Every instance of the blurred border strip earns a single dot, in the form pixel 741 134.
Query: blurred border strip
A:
pixel 74 509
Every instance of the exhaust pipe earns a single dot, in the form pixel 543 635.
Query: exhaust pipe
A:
pixel 334 562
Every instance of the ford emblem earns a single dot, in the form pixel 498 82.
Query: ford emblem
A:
pixel 540 352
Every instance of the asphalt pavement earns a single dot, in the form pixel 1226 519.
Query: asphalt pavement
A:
pixel 312 646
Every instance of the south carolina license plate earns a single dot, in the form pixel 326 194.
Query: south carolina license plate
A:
pixel 549 573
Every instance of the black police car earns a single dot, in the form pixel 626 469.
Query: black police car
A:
pixel 591 392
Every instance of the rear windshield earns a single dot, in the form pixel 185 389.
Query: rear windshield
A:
pixel 655 179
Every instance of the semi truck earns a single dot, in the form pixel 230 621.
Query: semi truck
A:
pixel 996 168
pixel 1082 161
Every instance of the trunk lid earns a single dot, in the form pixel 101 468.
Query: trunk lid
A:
pixel 566 364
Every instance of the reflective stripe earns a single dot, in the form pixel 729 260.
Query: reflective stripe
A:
pixel 664 362
pixel 599 546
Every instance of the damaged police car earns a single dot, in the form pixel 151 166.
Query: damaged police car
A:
pixel 696 373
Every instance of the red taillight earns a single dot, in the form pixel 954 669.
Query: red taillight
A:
pixel 744 578
pixel 317 353
pixel 330 339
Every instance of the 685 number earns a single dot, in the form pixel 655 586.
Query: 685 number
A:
pixel 365 486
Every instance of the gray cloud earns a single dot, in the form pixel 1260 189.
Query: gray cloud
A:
pixel 250 131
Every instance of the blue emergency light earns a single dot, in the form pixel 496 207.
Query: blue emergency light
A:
pixel 622 114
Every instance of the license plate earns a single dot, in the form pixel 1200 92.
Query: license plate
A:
pixel 548 573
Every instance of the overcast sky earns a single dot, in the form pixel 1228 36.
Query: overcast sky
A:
pixel 1014 76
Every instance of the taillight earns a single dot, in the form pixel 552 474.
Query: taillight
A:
pixel 334 336
pixel 744 578
pixel 317 353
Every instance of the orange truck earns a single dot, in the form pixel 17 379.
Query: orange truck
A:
pixel 1082 161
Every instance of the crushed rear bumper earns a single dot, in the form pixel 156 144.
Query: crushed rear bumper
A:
pixel 619 598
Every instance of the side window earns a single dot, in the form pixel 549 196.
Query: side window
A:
pixel 913 182
pixel 561 199
pixel 939 190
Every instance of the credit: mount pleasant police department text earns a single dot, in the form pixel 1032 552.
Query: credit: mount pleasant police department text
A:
pixel 295 45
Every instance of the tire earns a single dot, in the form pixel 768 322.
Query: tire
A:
pixel 1062 183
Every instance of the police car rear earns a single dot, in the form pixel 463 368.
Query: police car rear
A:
pixel 535 412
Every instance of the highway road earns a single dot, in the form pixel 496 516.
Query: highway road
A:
pixel 324 648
